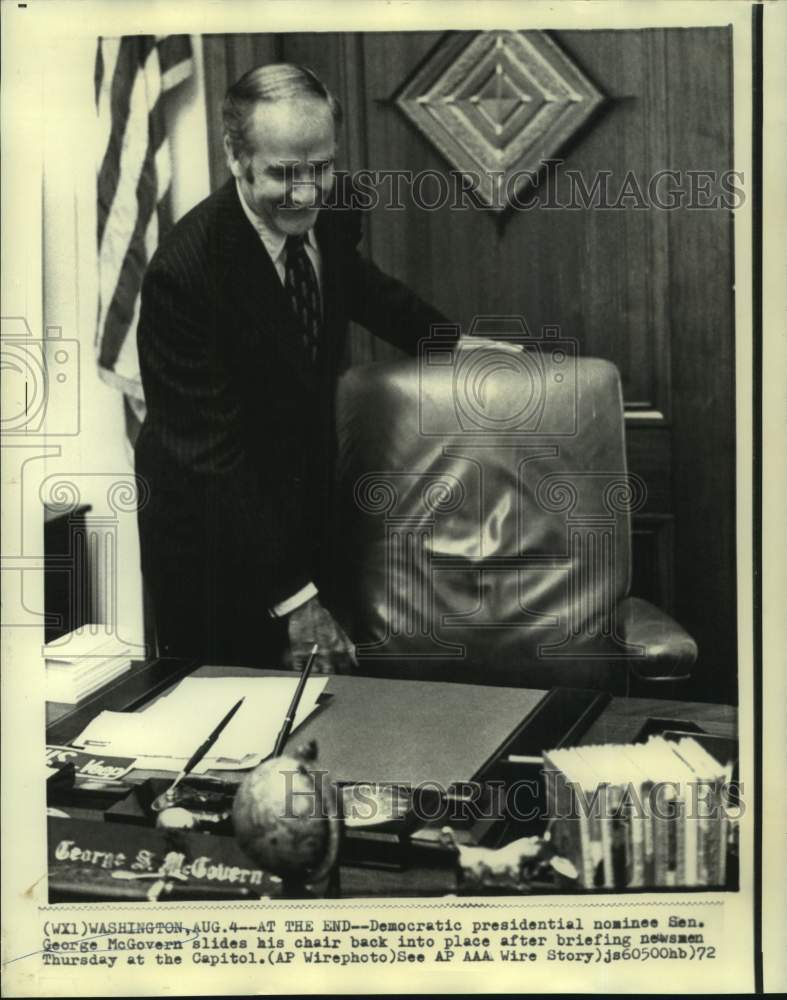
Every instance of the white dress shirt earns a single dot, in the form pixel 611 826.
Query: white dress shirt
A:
pixel 274 243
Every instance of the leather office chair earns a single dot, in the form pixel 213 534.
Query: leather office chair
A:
pixel 484 522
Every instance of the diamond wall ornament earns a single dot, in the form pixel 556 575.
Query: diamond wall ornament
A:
pixel 497 107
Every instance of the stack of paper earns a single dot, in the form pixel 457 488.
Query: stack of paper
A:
pixel 165 734
pixel 83 661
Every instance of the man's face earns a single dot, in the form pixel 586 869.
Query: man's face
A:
pixel 292 145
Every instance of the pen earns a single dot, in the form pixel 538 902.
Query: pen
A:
pixel 166 798
pixel 286 728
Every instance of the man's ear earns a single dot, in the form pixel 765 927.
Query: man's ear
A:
pixel 234 164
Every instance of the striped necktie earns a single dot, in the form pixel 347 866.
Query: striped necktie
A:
pixel 301 284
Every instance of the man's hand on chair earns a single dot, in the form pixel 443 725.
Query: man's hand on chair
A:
pixel 312 623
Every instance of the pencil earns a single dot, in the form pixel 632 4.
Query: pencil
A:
pixel 286 729
pixel 200 752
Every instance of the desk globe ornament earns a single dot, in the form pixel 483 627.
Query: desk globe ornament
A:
pixel 287 820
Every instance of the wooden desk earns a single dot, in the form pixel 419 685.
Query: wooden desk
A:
pixel 619 722
pixel 622 720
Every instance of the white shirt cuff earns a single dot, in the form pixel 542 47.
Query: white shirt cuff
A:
pixel 289 605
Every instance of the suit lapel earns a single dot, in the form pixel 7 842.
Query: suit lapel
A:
pixel 334 309
pixel 255 292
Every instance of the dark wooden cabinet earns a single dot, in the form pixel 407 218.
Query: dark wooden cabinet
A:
pixel 66 571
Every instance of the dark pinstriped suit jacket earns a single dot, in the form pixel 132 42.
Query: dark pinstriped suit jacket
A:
pixel 239 425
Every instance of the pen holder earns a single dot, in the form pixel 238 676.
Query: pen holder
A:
pixel 287 819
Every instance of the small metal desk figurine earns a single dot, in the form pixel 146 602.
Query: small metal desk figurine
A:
pixel 287 819
pixel 529 864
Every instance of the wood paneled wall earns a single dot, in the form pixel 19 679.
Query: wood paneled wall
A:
pixel 650 289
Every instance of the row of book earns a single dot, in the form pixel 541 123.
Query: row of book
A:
pixel 83 661
pixel 641 815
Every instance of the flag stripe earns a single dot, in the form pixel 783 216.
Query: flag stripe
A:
pixel 174 51
pixel 133 185
pixel 121 310
pixel 98 76
pixel 164 175
pixel 120 221
pixel 175 75
pixel 132 51
pixel 126 261
pixel 108 50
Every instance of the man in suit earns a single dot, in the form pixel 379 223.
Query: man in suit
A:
pixel 242 324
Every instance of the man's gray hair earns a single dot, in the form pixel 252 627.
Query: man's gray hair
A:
pixel 274 82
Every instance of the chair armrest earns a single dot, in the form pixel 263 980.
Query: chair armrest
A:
pixel 669 652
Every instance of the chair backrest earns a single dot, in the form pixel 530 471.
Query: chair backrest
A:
pixel 484 514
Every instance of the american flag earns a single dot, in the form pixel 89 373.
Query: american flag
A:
pixel 133 73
